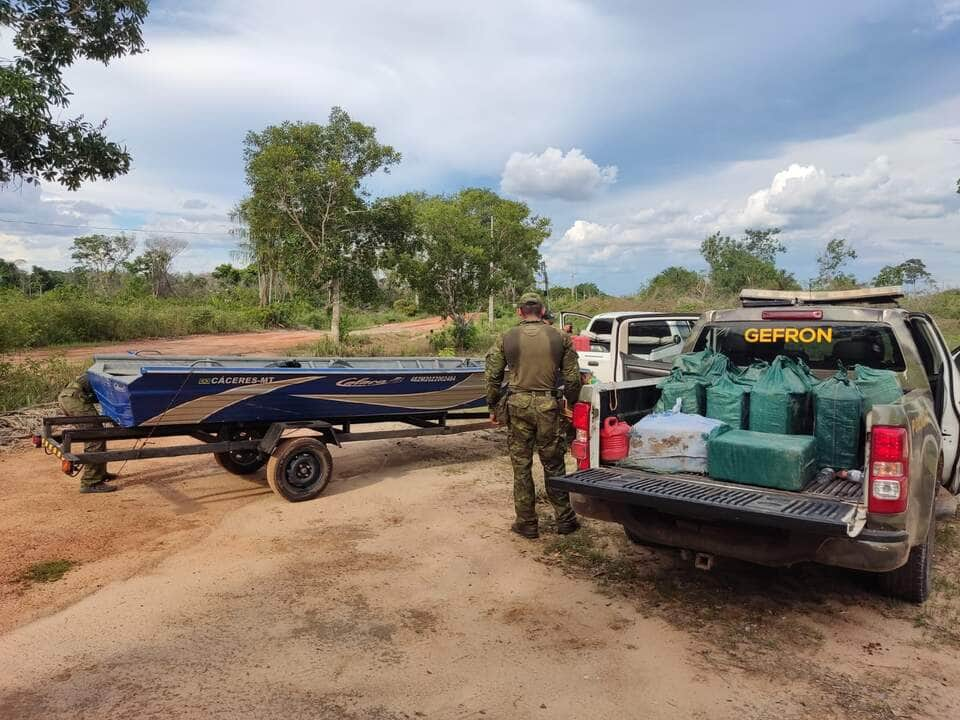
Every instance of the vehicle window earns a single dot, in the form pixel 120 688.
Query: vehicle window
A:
pixel 644 337
pixel 821 345
pixel 684 328
pixel 602 328
pixel 926 347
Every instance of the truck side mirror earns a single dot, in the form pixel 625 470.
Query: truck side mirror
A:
pixel 677 340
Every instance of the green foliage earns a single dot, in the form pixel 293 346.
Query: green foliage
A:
pixel 830 262
pixel 307 207
pixel 747 262
pixel 453 259
pixel 49 35
pixel 672 282
pixel 227 274
pixel 909 272
pixel 48 571
pixel 31 382
pixel 405 306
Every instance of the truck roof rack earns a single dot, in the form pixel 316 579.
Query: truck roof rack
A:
pixel 859 296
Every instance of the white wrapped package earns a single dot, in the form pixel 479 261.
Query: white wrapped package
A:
pixel 672 442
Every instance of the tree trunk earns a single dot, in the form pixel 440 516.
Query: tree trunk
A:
pixel 490 309
pixel 335 309
pixel 262 287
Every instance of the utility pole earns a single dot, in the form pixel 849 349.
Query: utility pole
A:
pixel 490 298
pixel 573 284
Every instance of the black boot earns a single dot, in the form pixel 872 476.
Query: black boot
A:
pixel 568 526
pixel 100 487
pixel 527 530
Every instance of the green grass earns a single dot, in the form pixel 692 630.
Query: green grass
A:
pixel 34 382
pixel 48 571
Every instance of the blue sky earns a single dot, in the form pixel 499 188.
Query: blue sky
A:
pixel 638 128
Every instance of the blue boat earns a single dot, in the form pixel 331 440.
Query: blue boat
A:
pixel 183 390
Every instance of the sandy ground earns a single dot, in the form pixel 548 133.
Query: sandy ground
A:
pixel 399 594
pixel 252 343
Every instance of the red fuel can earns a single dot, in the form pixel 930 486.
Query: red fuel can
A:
pixel 614 440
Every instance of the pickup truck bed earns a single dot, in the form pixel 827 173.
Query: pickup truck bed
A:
pixel 833 509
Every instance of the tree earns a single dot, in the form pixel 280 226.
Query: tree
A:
pixel 306 195
pixel 227 274
pixel 35 143
pixel 10 275
pixel 445 261
pixel 747 262
pixel 909 272
pixel 674 282
pixel 512 243
pixel 154 264
pixel 835 255
pixel 102 256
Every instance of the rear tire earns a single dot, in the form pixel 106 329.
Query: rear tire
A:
pixel 241 462
pixel 299 469
pixel 912 581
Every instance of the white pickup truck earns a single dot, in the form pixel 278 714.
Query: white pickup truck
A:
pixel 619 341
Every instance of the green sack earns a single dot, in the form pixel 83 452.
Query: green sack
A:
pixel 838 419
pixel 754 372
pixel 879 387
pixel 728 399
pixel 780 399
pixel 786 462
pixel 706 363
pixel 686 388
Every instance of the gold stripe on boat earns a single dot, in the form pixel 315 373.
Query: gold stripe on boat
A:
pixel 201 408
pixel 471 388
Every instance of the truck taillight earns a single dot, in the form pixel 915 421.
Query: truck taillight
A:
pixel 581 416
pixel 889 469
pixel 580 447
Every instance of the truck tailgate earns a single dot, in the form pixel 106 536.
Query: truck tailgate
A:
pixel 705 499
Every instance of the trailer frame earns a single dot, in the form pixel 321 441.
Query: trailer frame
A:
pixel 260 442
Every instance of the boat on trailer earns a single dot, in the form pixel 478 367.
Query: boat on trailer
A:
pixel 144 390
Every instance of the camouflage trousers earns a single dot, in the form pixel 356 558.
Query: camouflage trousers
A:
pixel 71 406
pixel 534 424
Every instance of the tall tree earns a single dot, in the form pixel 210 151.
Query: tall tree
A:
pixel 50 35
pixel 909 272
pixel 102 256
pixel 306 190
pixel 830 263
pixel 155 262
pixel 513 240
pixel 747 262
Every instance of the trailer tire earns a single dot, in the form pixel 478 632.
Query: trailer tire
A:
pixel 299 469
pixel 241 462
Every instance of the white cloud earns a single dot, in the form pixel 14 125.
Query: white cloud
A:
pixel 553 174
pixel 948 12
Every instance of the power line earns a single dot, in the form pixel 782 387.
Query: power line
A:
pixel 115 229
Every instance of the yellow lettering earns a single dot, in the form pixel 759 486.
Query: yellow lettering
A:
pixel 765 334
pixel 750 335
pixel 777 334
pixel 825 335
pixel 807 335
pixel 791 335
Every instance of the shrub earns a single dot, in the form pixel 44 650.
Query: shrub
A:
pixel 405 307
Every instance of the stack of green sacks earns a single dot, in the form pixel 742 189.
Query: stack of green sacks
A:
pixel 879 387
pixel 688 389
pixel 838 419
pixel 780 399
pixel 728 399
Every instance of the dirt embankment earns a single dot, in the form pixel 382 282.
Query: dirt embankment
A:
pixel 400 594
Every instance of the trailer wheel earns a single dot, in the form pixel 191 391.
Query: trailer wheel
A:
pixel 299 469
pixel 241 462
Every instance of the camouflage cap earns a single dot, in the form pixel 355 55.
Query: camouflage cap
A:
pixel 530 298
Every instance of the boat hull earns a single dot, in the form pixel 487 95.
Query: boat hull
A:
pixel 165 395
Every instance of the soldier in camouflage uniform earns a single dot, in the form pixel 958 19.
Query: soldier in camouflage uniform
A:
pixel 77 399
pixel 537 355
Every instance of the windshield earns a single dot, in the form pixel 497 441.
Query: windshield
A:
pixel 821 345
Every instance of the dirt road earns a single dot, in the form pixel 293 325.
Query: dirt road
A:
pixel 399 594
pixel 251 343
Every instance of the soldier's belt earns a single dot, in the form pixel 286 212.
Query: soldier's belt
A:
pixel 538 393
